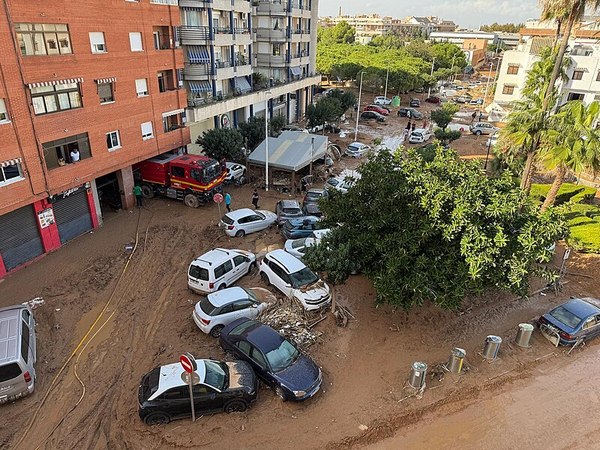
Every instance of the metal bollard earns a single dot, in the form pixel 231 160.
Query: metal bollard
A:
pixel 524 335
pixel 418 373
pixel 455 363
pixel 491 347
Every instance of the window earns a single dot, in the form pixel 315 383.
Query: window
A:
pixel 258 357
pixel 176 393
pixel 97 42
pixel 223 269
pixel 43 39
pixel 58 97
pixel 161 38
pixel 3 113
pixel 113 141
pixel 244 347
pixel 25 342
pixel 135 42
pixel 575 96
pixel 277 49
pixel 177 172
pixel 10 173
pixel 598 76
pixel 166 81
pixel 513 69
pixel 508 89
pixel 105 92
pixel 172 122
pixel 577 75
pixel 141 87
pixel 147 132
pixel 58 153
pixel 239 260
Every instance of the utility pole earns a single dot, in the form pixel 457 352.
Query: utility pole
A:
pixel 358 111
pixel 432 65
pixel 267 142
pixel 487 84
pixel 387 77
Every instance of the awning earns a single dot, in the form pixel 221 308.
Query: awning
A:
pixel 106 80
pixel 296 71
pixel 199 87
pixel 10 162
pixel 198 54
pixel 172 113
pixel 241 83
pixel 55 82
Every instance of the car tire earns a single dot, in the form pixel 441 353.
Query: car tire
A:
pixel 235 406
pixel 478 133
pixel 280 393
pixel 265 278
pixel 251 267
pixel 191 200
pixel 157 419
pixel 216 331
pixel 240 233
pixel 223 286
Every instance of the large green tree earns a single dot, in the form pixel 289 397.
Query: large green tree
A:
pixel 222 143
pixel 342 33
pixel 326 109
pixel 437 231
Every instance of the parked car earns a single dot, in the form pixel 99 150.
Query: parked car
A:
pixel 419 135
pixel 287 209
pixel 296 281
pixel 572 322
pixel 372 115
pixel 243 221
pixel 461 99
pixel 414 103
pixel 300 227
pixel 331 128
pixel 419 90
pixel 379 109
pixel 433 99
pixel 381 100
pixel 219 268
pixel 235 172
pixel 297 247
pixel 277 362
pixel 218 309
pixel 480 128
pixel 228 387
pixel 312 209
pixel 344 181
pixel 314 195
pixel 357 150
pixel 476 101
pixel 414 114
pixel 294 128
pixel 18 353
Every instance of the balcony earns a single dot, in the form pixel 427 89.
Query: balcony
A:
pixel 189 35
pixel 222 5
pixel 267 60
pixel 270 7
pixel 194 3
pixel 196 71
pixel 269 34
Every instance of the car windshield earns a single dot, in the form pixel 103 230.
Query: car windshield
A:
pixel 261 215
pixel 207 306
pixel 313 195
pixel 198 273
pixel 217 375
pixel 333 181
pixel 292 211
pixel 283 356
pixel 298 243
pixel 210 172
pixel 565 316
pixel 303 277
pixel 251 295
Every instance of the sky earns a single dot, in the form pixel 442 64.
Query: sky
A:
pixel 465 13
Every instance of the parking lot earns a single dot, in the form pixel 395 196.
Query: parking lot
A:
pixel 148 323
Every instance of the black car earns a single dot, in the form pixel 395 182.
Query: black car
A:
pixel 414 114
pixel 372 115
pixel 414 102
pixel 222 386
pixel 313 195
pixel 312 209
pixel 275 360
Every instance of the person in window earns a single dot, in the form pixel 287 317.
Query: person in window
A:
pixel 74 155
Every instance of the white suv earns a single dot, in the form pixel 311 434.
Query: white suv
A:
pixel 294 280
pixel 218 269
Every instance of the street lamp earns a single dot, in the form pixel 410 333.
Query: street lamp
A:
pixel 267 141
pixel 312 152
pixel 487 84
pixel 358 111
pixel 432 64
pixel 387 77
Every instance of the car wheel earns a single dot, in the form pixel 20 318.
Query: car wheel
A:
pixel 216 331
pixel 191 200
pixel 240 233
pixel 235 406
pixel 265 278
pixel 157 419
pixel 280 393
pixel 478 132
pixel 251 267
pixel 223 286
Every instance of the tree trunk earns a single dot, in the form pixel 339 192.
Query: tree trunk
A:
pixel 561 171
pixel 557 35
pixel 559 57
pixel 527 170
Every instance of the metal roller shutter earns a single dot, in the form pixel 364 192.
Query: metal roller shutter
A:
pixel 19 237
pixel 72 215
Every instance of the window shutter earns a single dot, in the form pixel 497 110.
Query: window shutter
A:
pixel 141 86
pixel 135 40
pixel 147 131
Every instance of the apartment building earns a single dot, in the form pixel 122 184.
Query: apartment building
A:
pixel 227 42
pixel 85 92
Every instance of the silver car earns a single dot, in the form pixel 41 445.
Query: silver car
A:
pixel 480 128
pixel 287 209
pixel 240 222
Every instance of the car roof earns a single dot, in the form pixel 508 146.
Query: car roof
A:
pixel 226 296
pixel 581 307
pixel 419 130
pixel 215 256
pixel 239 213
pixel 263 336
pixel 9 332
pixel 297 221
pixel 170 376
pixel 316 190
pixel 357 144
pixel 291 263
pixel 290 203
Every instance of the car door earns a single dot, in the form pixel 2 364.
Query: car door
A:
pixel 206 399
pixel 176 402
pixel 281 280
pixel 256 222
pixel 245 308
pixel 591 328
pixel 240 267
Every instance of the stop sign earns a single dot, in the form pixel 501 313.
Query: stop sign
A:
pixel 218 198
pixel 188 362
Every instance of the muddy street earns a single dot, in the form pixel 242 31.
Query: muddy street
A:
pixel 144 310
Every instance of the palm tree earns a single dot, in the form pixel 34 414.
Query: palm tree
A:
pixel 573 144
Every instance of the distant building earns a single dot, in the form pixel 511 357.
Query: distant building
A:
pixel 587 28
pixel 459 37
pixel 475 50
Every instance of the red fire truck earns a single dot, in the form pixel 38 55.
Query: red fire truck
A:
pixel 191 178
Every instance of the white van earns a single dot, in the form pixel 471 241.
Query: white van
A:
pixel 218 269
pixel 17 352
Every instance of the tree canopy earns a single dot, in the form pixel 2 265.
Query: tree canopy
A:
pixel 222 143
pixel 503 27
pixel 342 33
pixel 437 230
pixel 327 109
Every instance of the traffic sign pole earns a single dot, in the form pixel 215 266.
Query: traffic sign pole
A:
pixel 188 362
pixel 218 199
pixel 192 398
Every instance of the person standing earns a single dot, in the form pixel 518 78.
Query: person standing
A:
pixel 228 201
pixel 480 116
pixel 74 155
pixel 414 125
pixel 473 116
pixel 255 199
pixel 139 196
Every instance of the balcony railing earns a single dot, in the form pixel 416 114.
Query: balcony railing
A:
pixel 222 30
pixel 193 33
pixel 165 2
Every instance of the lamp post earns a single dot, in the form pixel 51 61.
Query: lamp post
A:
pixel 358 111
pixel 312 152
pixel 387 77
pixel 452 68
pixel 487 84
pixel 487 155
pixel 432 65
pixel 267 141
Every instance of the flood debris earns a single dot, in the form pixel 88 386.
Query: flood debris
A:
pixel 34 302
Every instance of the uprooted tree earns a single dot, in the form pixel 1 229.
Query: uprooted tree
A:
pixel 435 230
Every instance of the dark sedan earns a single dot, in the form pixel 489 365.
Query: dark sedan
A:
pixel 414 102
pixel 572 322
pixel 372 115
pixel 410 112
pixel 275 360
pixel 300 228
pixel 313 195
